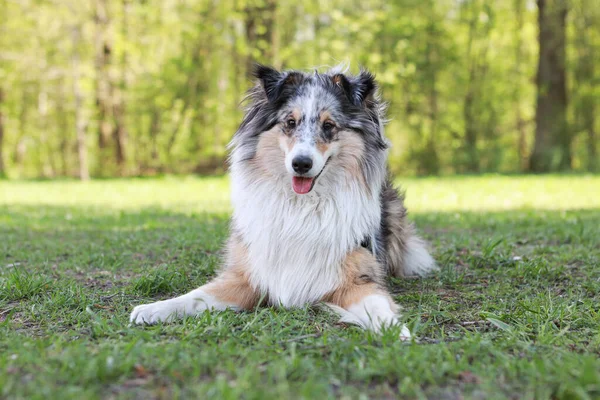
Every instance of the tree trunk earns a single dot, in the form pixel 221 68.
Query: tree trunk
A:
pixel 47 151
pixel 431 155
pixel 155 127
pixel 585 72
pixel 103 51
pixel 62 122
pixel 260 33
pixel 521 124
pixel 590 122
pixel 2 165
pixel 21 142
pixel 552 147
pixel 80 124
pixel 472 162
pixel 476 129
pixel 120 132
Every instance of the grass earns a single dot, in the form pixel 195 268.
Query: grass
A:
pixel 513 313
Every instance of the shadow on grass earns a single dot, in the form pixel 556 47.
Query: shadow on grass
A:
pixel 97 237
pixel 147 246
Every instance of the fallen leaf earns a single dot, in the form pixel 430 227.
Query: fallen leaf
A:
pixel 140 371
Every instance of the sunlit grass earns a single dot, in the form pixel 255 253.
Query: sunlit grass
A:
pixel 512 313
pixel 193 194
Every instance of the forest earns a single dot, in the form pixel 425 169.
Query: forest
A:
pixel 103 88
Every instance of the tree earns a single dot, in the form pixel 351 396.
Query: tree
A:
pixel 552 147
pixel 119 88
pixel 2 165
pixel 430 163
pixel 166 77
pixel 103 50
pixel 260 31
pixel 584 99
pixel 522 150
pixel 80 122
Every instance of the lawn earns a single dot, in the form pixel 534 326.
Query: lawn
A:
pixel 513 313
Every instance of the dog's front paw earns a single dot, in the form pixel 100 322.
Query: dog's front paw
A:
pixel 152 313
pixel 405 334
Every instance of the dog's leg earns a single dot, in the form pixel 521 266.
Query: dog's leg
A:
pixel 362 299
pixel 231 289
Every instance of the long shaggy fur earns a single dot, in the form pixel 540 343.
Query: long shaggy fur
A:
pixel 327 230
pixel 405 253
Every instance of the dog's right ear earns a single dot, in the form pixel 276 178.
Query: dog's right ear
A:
pixel 275 83
pixel 358 89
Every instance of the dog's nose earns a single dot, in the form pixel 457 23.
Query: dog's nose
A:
pixel 302 164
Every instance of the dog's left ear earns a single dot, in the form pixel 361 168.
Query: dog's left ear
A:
pixel 364 86
pixel 358 89
pixel 275 83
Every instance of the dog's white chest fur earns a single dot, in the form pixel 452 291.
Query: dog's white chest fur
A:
pixel 297 242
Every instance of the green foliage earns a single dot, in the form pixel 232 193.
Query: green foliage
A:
pixel 459 77
pixel 513 313
pixel 163 280
pixel 20 285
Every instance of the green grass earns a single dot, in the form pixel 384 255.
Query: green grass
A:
pixel 513 313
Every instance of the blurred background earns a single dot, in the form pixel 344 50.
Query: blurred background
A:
pixel 106 88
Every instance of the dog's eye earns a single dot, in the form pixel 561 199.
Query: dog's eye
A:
pixel 291 123
pixel 328 126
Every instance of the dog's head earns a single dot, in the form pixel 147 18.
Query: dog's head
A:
pixel 300 126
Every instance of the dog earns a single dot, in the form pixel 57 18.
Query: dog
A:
pixel 316 218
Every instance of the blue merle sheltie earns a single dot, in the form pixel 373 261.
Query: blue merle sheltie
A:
pixel 316 218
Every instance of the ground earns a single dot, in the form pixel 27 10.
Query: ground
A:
pixel 513 313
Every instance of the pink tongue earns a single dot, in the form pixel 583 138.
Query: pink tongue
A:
pixel 302 185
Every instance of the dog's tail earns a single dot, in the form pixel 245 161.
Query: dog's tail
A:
pixel 406 254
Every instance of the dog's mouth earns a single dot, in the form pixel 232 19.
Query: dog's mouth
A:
pixel 304 184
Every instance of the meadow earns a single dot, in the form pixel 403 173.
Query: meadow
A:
pixel 514 311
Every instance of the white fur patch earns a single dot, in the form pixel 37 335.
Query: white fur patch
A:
pixel 417 260
pixel 191 303
pixel 297 243
pixel 373 312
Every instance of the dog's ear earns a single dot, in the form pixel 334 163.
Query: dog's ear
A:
pixel 364 87
pixel 358 88
pixel 275 83
pixel 269 79
pixel 341 81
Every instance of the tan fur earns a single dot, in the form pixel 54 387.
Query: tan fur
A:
pixel 322 147
pixel 337 79
pixel 351 149
pixel 286 142
pixel 324 116
pixel 362 277
pixel 269 151
pixel 293 79
pixel 233 286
